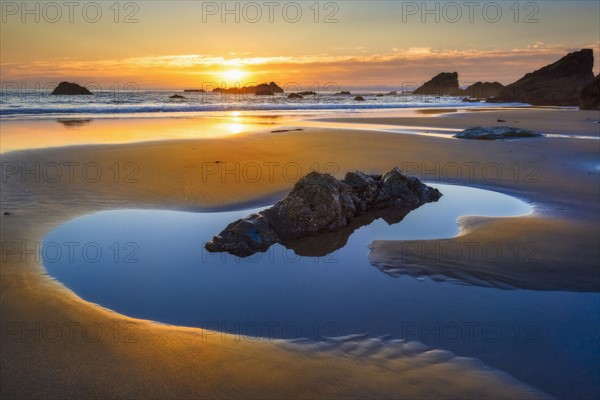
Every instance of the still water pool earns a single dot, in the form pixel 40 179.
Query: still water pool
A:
pixel 151 264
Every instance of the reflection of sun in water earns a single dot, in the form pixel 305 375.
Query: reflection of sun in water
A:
pixel 233 75
pixel 235 116
pixel 234 126
pixel 234 129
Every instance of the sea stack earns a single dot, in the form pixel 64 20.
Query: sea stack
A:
pixel 264 89
pixel 70 89
pixel 483 90
pixel 268 89
pixel 557 84
pixel 444 84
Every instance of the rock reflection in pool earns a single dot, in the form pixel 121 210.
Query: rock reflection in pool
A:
pixel 327 243
pixel 152 264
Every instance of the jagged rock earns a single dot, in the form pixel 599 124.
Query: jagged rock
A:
pixel 557 84
pixel 359 98
pixel 365 187
pixel 308 93
pixel 398 190
pixel 268 89
pixel 194 91
pixel 70 89
pixel 177 96
pixel 483 90
pixel 295 96
pixel 245 236
pixel 496 133
pixel 589 99
pixel 319 203
pixel 344 93
pixel 444 84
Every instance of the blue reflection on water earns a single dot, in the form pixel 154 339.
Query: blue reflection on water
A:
pixel 151 264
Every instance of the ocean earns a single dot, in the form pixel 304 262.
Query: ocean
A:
pixel 26 104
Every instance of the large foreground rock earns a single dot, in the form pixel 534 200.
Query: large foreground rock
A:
pixel 70 89
pixel 319 204
pixel 444 84
pixel 589 99
pixel 496 133
pixel 557 84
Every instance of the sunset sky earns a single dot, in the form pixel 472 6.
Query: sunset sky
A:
pixel 185 44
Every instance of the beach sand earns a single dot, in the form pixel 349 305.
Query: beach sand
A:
pixel 559 176
pixel 545 120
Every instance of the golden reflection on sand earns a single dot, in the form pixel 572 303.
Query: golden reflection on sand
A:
pixel 20 135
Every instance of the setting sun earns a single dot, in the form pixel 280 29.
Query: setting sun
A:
pixel 233 75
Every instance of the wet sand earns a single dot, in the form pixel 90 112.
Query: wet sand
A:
pixel 545 120
pixel 560 176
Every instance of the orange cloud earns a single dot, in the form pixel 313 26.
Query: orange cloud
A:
pixel 392 68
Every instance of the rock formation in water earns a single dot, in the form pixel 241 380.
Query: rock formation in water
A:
pixel 359 98
pixel 444 84
pixel 482 90
pixel 496 133
pixel 557 84
pixel 268 89
pixel 320 204
pixel 264 89
pixel 589 98
pixel 177 96
pixel 70 89
pixel 295 96
pixel 195 91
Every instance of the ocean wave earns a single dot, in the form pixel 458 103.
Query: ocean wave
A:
pixel 13 111
pixel 25 105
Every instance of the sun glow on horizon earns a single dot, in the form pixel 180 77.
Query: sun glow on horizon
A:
pixel 233 75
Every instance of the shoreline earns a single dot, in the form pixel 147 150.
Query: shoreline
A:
pixel 559 121
pixel 169 179
pixel 567 123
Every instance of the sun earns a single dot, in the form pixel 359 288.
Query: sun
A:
pixel 233 75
